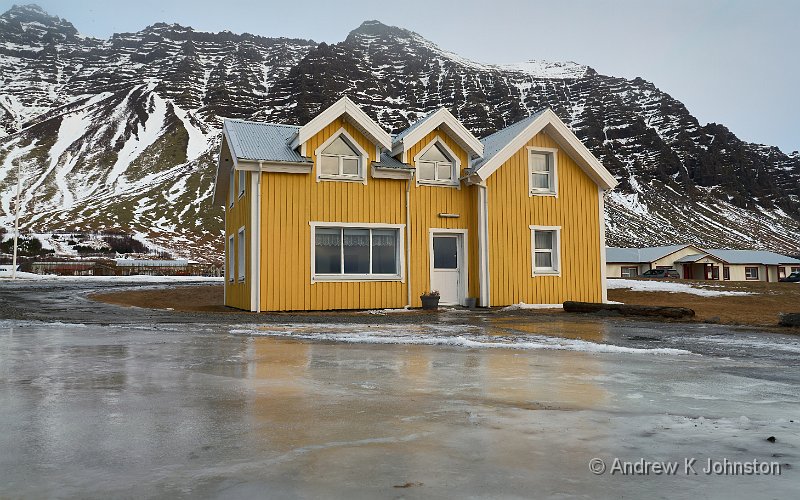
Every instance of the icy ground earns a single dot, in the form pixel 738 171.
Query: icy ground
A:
pixel 140 403
pixel 671 287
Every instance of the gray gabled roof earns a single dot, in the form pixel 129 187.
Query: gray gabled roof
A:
pixel 651 254
pixel 388 161
pixel 493 143
pixel 751 257
pixel 399 137
pixel 692 258
pixel 262 141
pixel 640 255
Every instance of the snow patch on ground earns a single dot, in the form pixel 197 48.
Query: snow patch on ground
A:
pixel 464 336
pixel 523 305
pixel 670 287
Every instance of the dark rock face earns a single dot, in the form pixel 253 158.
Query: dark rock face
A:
pixel 150 104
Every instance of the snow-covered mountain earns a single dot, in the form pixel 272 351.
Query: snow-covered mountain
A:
pixel 123 133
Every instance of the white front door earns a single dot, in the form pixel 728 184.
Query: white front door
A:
pixel 447 267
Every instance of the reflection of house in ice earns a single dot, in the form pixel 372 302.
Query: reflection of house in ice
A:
pixel 125 267
pixel 176 267
pixel 75 268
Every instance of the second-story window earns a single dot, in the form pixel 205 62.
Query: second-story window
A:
pixel 435 166
pixel 340 159
pixel 542 172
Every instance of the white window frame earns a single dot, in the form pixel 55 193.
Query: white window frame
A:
pixel 552 154
pixel 623 268
pixel 231 188
pixel 400 276
pixel 241 254
pixel 362 159
pixel 456 166
pixel 556 252
pixel 757 276
pixel 231 259
pixel 242 182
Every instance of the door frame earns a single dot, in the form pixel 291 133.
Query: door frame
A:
pixel 463 259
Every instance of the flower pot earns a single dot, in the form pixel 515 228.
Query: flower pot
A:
pixel 471 302
pixel 430 302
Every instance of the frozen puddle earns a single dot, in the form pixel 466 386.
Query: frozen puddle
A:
pixel 438 335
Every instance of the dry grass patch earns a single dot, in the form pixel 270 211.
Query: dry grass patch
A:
pixel 199 298
pixel 761 308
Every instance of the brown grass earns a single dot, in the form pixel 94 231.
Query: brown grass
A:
pixel 200 298
pixel 760 309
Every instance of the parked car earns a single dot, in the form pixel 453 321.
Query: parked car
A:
pixel 661 274
pixel 792 278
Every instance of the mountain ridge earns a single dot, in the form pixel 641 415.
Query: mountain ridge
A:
pixel 123 132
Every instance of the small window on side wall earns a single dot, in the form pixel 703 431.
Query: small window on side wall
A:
pixel 231 188
pixel 545 250
pixel 231 256
pixel 542 172
pixel 241 243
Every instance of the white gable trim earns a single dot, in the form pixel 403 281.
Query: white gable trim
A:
pixel 431 122
pixel 552 124
pixel 343 106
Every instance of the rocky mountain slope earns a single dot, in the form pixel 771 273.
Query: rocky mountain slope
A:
pixel 123 133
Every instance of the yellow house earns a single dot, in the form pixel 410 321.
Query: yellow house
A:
pixel 339 214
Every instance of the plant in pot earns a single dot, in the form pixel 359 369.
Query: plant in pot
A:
pixel 430 300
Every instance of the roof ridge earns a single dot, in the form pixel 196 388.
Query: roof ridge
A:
pixel 252 122
pixel 535 113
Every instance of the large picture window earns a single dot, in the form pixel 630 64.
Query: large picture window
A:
pixel 353 252
pixel 545 250
pixel 542 172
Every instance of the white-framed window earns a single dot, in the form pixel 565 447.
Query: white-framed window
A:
pixel 231 188
pixel 356 252
pixel 231 256
pixel 437 165
pixel 629 271
pixel 242 182
pixel 542 172
pixel 796 269
pixel 240 254
pixel 545 250
pixel 751 273
pixel 341 158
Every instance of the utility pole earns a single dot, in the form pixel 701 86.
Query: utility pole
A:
pixel 16 220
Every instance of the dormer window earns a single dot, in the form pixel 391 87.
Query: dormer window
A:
pixel 340 158
pixel 437 165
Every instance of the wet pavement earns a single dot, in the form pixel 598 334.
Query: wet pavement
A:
pixel 120 402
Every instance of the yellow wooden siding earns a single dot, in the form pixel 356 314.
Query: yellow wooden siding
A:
pixel 237 293
pixel 427 202
pixel 512 211
pixel 290 201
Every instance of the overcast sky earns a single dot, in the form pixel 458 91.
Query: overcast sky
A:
pixel 730 62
